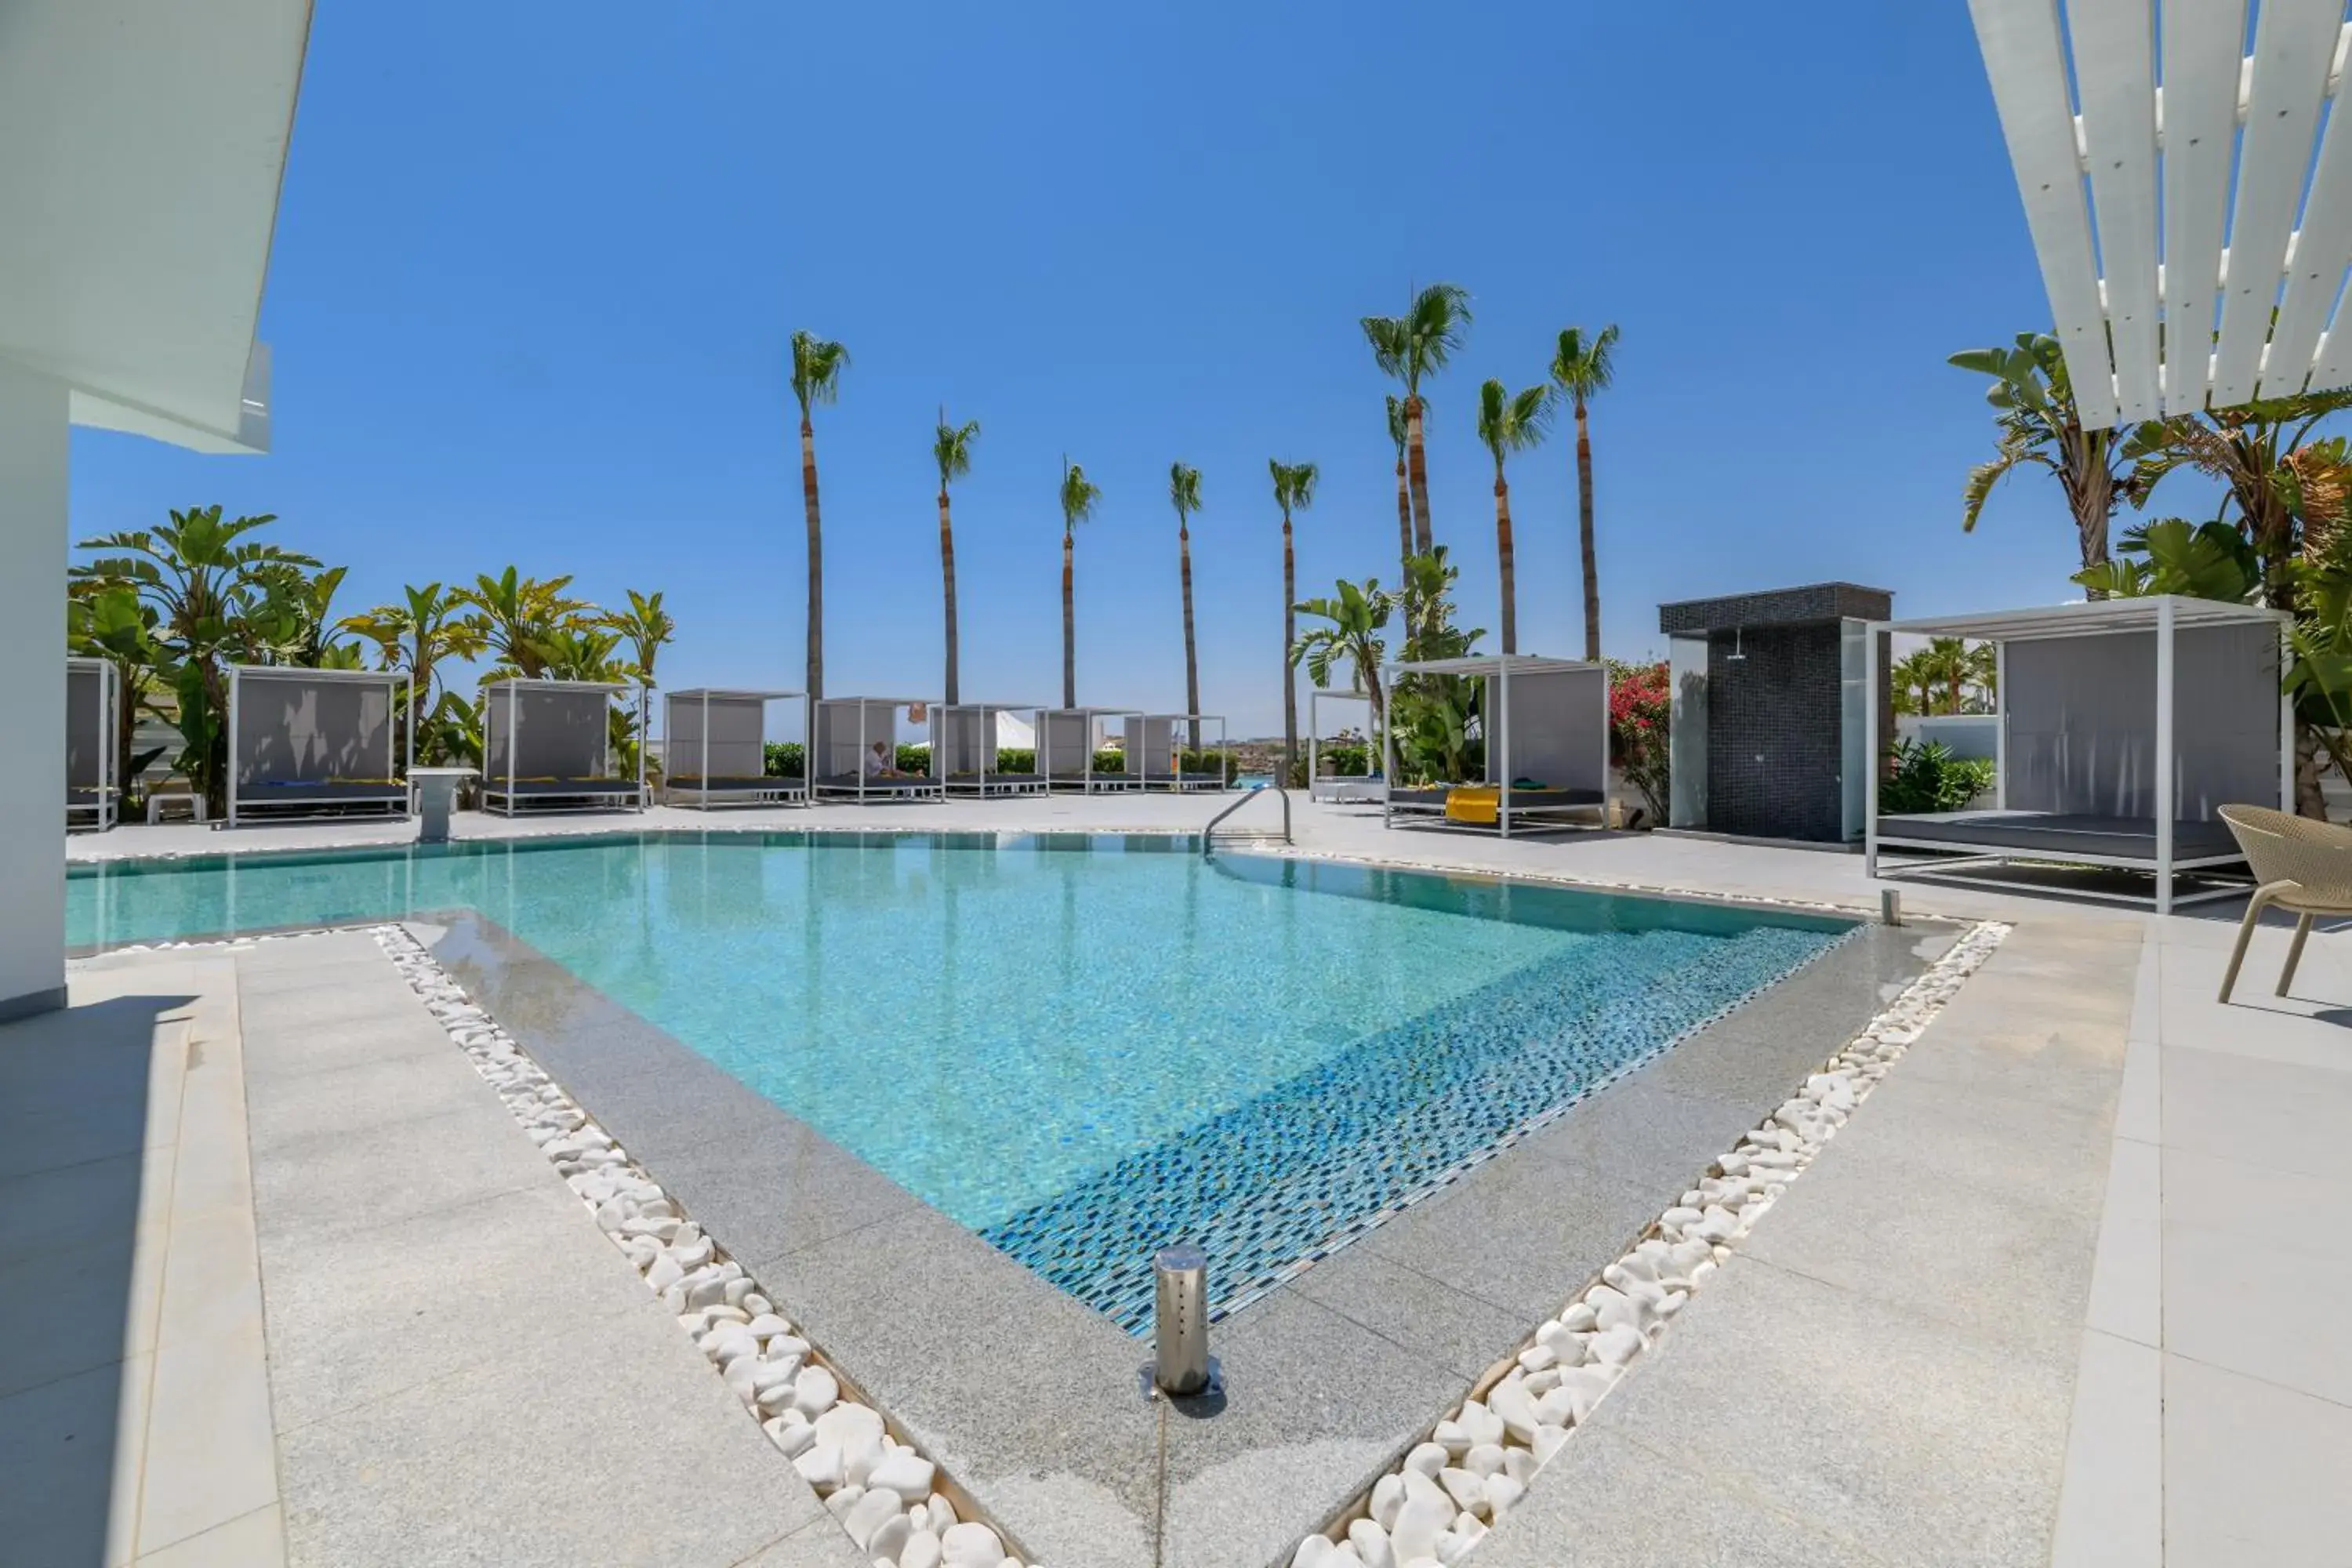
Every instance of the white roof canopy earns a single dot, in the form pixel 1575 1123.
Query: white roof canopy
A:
pixel 2166 191
pixel 2131 614
pixel 142 143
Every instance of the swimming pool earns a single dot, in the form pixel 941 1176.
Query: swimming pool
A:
pixel 1080 1047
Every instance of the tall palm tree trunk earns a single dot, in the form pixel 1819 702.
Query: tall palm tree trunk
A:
pixel 815 681
pixel 2092 491
pixel 1584 536
pixel 1069 626
pixel 1289 635
pixel 1417 470
pixel 1507 562
pixel 1405 551
pixel 1192 658
pixel 947 576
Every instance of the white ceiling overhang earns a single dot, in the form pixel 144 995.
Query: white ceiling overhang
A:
pixel 141 145
pixel 2179 190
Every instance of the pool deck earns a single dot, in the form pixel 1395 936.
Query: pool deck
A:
pixel 2013 1314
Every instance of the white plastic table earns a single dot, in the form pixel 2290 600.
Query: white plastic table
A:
pixel 155 803
pixel 436 790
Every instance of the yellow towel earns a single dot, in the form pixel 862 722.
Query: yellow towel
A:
pixel 1474 802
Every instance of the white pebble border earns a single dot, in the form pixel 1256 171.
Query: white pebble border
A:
pixel 1473 1465
pixel 889 1498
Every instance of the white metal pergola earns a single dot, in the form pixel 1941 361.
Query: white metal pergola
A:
pixel 857 786
pixel 1367 785
pixel 1149 736
pixel 986 781
pixel 1532 810
pixel 386 791
pixel 2218 190
pixel 2164 616
pixel 93 794
pixel 514 791
pixel 702 791
pixel 1094 724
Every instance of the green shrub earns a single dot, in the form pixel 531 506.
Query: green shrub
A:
pixel 1926 776
pixel 1346 761
pixel 785 759
pixel 912 759
pixel 1015 760
pixel 1110 760
pixel 1208 762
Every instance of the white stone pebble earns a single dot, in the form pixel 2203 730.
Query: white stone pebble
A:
pixel 879 1489
pixel 1478 1462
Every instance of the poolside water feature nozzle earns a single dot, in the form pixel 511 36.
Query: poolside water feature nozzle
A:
pixel 1181 1362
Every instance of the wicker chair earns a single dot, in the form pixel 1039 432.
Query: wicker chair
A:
pixel 2299 865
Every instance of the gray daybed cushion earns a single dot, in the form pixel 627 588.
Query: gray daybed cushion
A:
pixel 875 787
pixel 2057 835
pixel 1521 797
pixel 292 792
pixel 561 786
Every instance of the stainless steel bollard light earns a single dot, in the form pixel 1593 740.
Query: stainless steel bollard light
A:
pixel 1890 906
pixel 1180 1319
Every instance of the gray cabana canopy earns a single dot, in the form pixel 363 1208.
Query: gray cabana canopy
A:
pixel 1154 750
pixel 1066 740
pixel 843 734
pixel 92 791
pixel 2126 724
pixel 715 749
pixel 315 741
pixel 547 745
pixel 1545 727
pixel 965 751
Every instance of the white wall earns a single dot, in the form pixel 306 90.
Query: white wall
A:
pixel 33 523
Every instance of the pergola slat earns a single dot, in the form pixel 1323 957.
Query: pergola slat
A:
pixel 2295 42
pixel 2026 59
pixel 2202 65
pixel 2114 55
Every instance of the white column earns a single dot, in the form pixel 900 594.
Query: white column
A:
pixel 33 523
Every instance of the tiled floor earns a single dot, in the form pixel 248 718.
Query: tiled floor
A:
pixel 2213 1412
pixel 2067 1290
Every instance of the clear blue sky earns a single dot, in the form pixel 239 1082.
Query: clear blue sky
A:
pixel 537 264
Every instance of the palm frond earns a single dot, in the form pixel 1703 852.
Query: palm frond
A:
pixel 1584 364
pixel 817 366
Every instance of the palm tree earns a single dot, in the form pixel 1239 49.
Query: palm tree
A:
pixel 1509 421
pixel 645 626
pixel 518 618
pixel 1580 367
pixel 206 581
pixel 1184 494
pixel 416 636
pixel 1079 498
pixel 1356 616
pixel 1294 489
pixel 1410 347
pixel 952 450
pixel 2035 413
pixel 816 378
pixel 1404 491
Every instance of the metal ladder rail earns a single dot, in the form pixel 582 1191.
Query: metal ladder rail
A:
pixel 1209 834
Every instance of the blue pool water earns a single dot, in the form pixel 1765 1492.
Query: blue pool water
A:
pixel 1079 1047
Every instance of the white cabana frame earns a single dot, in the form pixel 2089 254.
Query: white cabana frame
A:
pixel 1154 753
pixel 317 742
pixel 714 749
pixel 93 715
pixel 2109 766
pixel 1068 739
pixel 841 729
pixel 1547 716
pixel 547 746
pixel 965 751
pixel 1372 785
